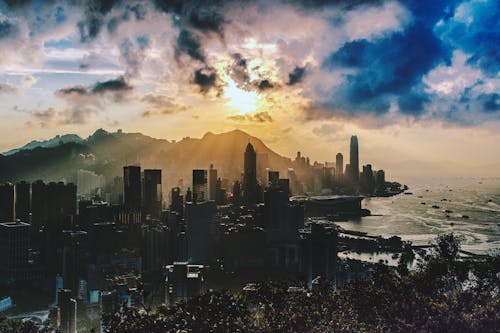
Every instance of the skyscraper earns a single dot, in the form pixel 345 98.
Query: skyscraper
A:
pixel 6 202
pixel 354 159
pixel 132 188
pixel 200 188
pixel 212 182
pixel 152 193
pixel 23 201
pixel 339 165
pixel 250 175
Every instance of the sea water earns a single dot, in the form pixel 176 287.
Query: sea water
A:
pixel 413 218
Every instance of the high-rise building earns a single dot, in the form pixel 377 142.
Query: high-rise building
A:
pixel 14 247
pixel 250 175
pixel 152 200
pixel 273 178
pixel 212 182
pixel 74 260
pixel 354 158
pixel 183 281
pixel 200 186
pixel 38 204
pixel 176 201
pixel 132 188
pixel 6 202
pixel 200 219
pixel 367 180
pixel 23 200
pixel 87 182
pixel 67 311
pixel 339 165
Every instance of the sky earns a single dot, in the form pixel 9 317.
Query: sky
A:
pixel 417 81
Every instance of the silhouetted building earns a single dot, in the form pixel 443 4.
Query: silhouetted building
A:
pixel 237 198
pixel 212 182
pixel 6 202
pixel 67 311
pixel 200 186
pixel 189 195
pixel 38 204
pixel 273 178
pixel 220 194
pixel 155 238
pixel 132 188
pixel 354 159
pixel 339 165
pixel 74 260
pixel 282 221
pixel 14 250
pixel 200 219
pixel 176 203
pixel 23 200
pixel 319 252
pixel 367 180
pixel 380 180
pixel 152 200
pixel 183 282
pixel 250 176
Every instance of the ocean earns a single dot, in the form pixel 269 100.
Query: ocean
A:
pixel 413 218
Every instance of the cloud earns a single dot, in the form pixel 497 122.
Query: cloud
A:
pixel 116 86
pixel 475 29
pixel 296 75
pixel 189 43
pixel 53 117
pixel 205 78
pixel 379 70
pixel 6 88
pixel 259 117
pixel 161 105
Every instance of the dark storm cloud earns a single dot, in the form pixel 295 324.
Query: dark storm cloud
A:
pixel 75 90
pixel 490 102
pixel 95 11
pixel 117 85
pixel 138 11
pixel 7 29
pixel 265 84
pixel 391 66
pixel 189 44
pixel 296 75
pixel 205 78
pixel 201 15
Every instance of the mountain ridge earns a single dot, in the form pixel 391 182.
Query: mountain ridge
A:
pixel 106 153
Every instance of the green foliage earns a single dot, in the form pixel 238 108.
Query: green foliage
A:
pixel 16 326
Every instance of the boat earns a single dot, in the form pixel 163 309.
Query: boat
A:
pixel 435 207
pixel 408 193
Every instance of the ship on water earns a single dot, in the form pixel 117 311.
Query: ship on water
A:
pixel 332 206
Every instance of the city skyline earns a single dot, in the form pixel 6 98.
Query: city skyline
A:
pixel 172 71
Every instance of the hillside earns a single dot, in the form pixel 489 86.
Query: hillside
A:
pixel 106 153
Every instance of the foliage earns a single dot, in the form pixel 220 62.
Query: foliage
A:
pixel 444 295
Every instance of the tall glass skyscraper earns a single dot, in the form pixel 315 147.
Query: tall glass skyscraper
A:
pixel 354 159
pixel 250 175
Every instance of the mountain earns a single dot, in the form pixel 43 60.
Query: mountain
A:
pixel 106 153
pixel 55 141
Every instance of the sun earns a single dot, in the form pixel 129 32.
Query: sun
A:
pixel 242 100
